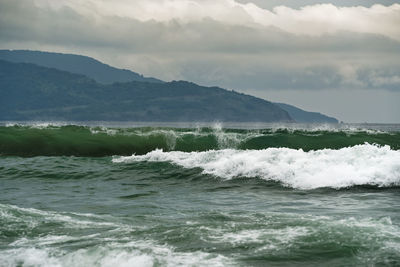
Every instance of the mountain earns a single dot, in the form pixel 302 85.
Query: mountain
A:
pixel 31 92
pixel 106 74
pixel 303 116
pixel 87 66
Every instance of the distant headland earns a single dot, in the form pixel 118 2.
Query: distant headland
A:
pixel 52 86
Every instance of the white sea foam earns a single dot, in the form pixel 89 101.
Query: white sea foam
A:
pixel 31 218
pixel 357 165
pixel 275 238
pixel 293 231
pixel 38 124
pixel 103 130
pixel 270 237
pixel 225 139
pixel 326 127
pixel 277 233
pixel 132 254
pixel 49 250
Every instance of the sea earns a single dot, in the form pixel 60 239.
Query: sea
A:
pixel 198 194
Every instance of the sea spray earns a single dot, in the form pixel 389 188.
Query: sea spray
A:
pixel 199 196
pixel 72 140
pixel 358 165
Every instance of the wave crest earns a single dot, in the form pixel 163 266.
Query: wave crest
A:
pixel 358 165
pixel 70 140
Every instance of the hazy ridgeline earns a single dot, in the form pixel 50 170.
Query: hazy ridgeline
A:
pixel 52 87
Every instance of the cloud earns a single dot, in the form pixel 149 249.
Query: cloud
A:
pixel 224 42
pixel 314 20
pixel 270 4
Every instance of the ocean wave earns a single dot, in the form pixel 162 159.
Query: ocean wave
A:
pixel 138 253
pixel 270 235
pixel 108 243
pixel 72 140
pixel 351 166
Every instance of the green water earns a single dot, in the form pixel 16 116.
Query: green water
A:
pixel 73 140
pixel 75 196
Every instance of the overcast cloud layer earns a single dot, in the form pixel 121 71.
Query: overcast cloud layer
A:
pixel 341 58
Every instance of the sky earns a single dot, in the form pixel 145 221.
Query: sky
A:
pixel 340 58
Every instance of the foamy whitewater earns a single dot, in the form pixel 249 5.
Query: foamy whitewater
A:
pixel 202 195
pixel 358 165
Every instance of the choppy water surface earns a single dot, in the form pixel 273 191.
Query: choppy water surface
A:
pixel 247 195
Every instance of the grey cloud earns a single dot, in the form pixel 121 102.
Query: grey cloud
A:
pixel 210 52
pixel 25 22
pixel 347 105
pixel 272 76
pixel 298 4
pixel 22 20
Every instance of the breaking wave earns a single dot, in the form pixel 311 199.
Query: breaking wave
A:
pixel 351 166
pixel 72 140
pixel 109 243
pixel 104 242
